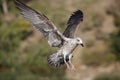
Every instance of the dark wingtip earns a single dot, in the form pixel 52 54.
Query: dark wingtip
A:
pixel 76 17
pixel 18 3
pixel 78 14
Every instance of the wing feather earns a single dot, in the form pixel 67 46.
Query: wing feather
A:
pixel 72 24
pixel 39 21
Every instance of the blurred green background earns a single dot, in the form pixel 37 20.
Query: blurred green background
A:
pixel 23 50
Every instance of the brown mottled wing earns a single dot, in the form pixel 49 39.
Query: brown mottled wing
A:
pixel 38 20
pixel 72 24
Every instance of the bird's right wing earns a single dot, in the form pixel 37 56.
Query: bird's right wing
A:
pixel 40 22
pixel 72 24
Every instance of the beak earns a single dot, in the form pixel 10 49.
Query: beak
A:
pixel 82 45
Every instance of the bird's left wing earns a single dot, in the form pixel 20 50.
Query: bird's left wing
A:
pixel 72 24
pixel 39 21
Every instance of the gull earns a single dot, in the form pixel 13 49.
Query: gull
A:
pixel 66 41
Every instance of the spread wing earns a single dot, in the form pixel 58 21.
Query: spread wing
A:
pixel 39 21
pixel 72 24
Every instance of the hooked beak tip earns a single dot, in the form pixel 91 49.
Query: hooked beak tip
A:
pixel 82 45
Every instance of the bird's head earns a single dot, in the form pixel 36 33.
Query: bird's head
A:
pixel 79 41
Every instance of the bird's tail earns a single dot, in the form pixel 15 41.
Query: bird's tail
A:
pixel 55 60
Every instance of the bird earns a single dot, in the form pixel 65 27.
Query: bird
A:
pixel 66 41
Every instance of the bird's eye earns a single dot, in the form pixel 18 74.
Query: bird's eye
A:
pixel 78 40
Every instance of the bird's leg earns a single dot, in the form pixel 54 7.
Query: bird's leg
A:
pixel 70 56
pixel 68 67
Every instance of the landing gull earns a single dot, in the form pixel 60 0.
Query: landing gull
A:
pixel 66 42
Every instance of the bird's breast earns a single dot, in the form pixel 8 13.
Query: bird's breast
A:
pixel 69 47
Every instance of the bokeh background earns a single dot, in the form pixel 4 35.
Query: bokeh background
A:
pixel 23 50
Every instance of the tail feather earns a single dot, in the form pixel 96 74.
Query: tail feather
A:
pixel 56 60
